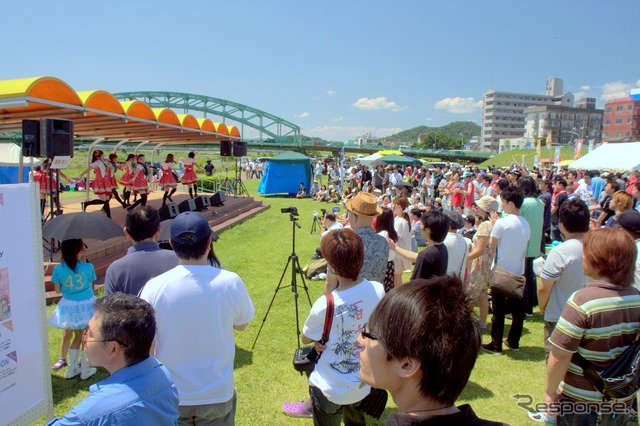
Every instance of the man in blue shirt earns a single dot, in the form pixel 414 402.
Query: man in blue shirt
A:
pixel 144 260
pixel 140 389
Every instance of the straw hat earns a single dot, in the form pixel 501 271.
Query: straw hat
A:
pixel 363 204
pixel 487 204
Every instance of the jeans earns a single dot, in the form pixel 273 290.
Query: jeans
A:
pixel 501 305
pixel 593 419
pixel 222 414
pixel 326 413
pixel 555 232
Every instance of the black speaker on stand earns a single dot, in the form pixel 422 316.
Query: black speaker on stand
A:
pixel 168 211
pixel 217 199
pixel 239 149
pixel 225 148
pixel 202 203
pixel 188 205
pixel 56 137
pixel 31 138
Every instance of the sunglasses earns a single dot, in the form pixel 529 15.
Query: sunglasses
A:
pixel 366 335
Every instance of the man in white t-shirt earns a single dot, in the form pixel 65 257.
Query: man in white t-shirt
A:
pixel 562 273
pixel 197 308
pixel 509 240
pixel 457 245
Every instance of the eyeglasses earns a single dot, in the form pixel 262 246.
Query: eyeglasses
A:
pixel 366 335
pixel 84 340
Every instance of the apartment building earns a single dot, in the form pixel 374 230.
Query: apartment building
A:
pixel 621 119
pixel 565 123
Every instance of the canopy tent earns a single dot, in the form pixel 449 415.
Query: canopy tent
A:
pixel 399 159
pixel 389 152
pixel 365 161
pixel 611 156
pixel 9 164
pixel 284 173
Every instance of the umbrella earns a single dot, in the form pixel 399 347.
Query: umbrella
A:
pixel 377 163
pixel 82 225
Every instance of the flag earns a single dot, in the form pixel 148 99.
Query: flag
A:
pixel 536 161
pixel 549 138
pixel 557 159
pixel 538 146
pixel 577 149
pixel 591 141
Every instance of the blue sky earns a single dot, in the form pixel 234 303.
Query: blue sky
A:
pixel 338 69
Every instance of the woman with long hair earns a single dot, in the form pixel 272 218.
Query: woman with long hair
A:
pixel 401 225
pixel 101 184
pixel 384 225
pixel 140 182
pixel 598 322
pixel 190 179
pixel 126 180
pixel 480 257
pixel 168 181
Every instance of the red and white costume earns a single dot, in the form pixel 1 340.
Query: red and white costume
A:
pixel 127 177
pixel 101 184
pixel 167 180
pixel 140 184
pixel 189 177
pixel 112 168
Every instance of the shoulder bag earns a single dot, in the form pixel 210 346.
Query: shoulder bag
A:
pixel 305 358
pixel 506 284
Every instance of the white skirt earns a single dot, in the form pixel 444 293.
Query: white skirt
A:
pixel 72 315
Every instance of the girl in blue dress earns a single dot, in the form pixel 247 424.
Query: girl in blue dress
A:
pixel 73 278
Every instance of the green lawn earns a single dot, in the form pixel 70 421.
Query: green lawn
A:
pixel 258 250
pixel 506 158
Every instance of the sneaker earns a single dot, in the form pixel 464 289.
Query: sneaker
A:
pixel 296 409
pixel 506 343
pixel 59 364
pixel 537 416
pixel 508 316
pixel 491 349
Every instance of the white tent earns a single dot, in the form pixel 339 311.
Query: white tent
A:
pixel 10 161
pixel 611 156
pixel 365 161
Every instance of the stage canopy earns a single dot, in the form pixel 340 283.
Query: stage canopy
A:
pixel 611 156
pixel 284 173
pixel 98 114
pixel 10 164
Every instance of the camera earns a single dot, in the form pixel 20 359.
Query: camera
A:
pixel 324 212
pixel 315 213
pixel 292 210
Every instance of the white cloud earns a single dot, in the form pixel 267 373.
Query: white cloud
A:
pixel 331 92
pixel 458 105
pixel 343 133
pixel 429 119
pixel 377 103
pixel 302 115
pixel 617 89
pixel 337 119
pixel 585 88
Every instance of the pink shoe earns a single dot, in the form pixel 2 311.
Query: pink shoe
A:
pixel 59 364
pixel 296 409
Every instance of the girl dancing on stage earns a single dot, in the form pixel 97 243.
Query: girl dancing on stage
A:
pixel 168 181
pixel 190 179
pixel 101 184
pixel 114 166
pixel 126 180
pixel 140 183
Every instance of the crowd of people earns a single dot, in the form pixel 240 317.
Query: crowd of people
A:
pixel 419 340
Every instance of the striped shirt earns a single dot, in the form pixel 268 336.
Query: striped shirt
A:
pixel 599 322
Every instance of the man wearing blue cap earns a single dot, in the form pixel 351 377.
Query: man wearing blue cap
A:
pixel 197 308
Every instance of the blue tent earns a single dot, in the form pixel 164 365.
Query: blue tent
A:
pixel 285 172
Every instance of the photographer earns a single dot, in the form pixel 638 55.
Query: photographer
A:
pixel 329 223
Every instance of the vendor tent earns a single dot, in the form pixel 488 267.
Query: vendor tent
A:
pixel 9 164
pixel 398 159
pixel 611 156
pixel 365 161
pixel 284 173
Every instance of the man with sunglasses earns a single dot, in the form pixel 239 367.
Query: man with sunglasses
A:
pixel 139 389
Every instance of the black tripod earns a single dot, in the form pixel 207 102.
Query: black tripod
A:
pixel 295 269
pixel 314 224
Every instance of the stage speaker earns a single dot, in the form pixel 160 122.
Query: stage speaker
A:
pixel 188 205
pixel 239 149
pixel 31 138
pixel 217 199
pixel 56 137
pixel 202 203
pixel 168 211
pixel 225 148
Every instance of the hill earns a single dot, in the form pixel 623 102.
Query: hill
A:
pixel 452 130
pixel 506 158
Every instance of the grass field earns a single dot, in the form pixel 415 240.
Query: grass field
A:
pixel 506 158
pixel 258 250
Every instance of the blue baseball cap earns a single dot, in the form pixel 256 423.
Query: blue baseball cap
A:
pixel 190 227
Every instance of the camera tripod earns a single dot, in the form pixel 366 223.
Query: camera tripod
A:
pixel 314 224
pixel 295 269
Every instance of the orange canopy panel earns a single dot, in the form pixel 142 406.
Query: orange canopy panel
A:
pixel 97 113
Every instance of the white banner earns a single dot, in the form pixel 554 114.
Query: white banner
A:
pixel 25 381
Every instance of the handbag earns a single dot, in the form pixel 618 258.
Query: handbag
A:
pixel 506 284
pixel 305 358
pixel 373 404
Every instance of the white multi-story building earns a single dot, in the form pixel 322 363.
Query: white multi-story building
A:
pixel 503 115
